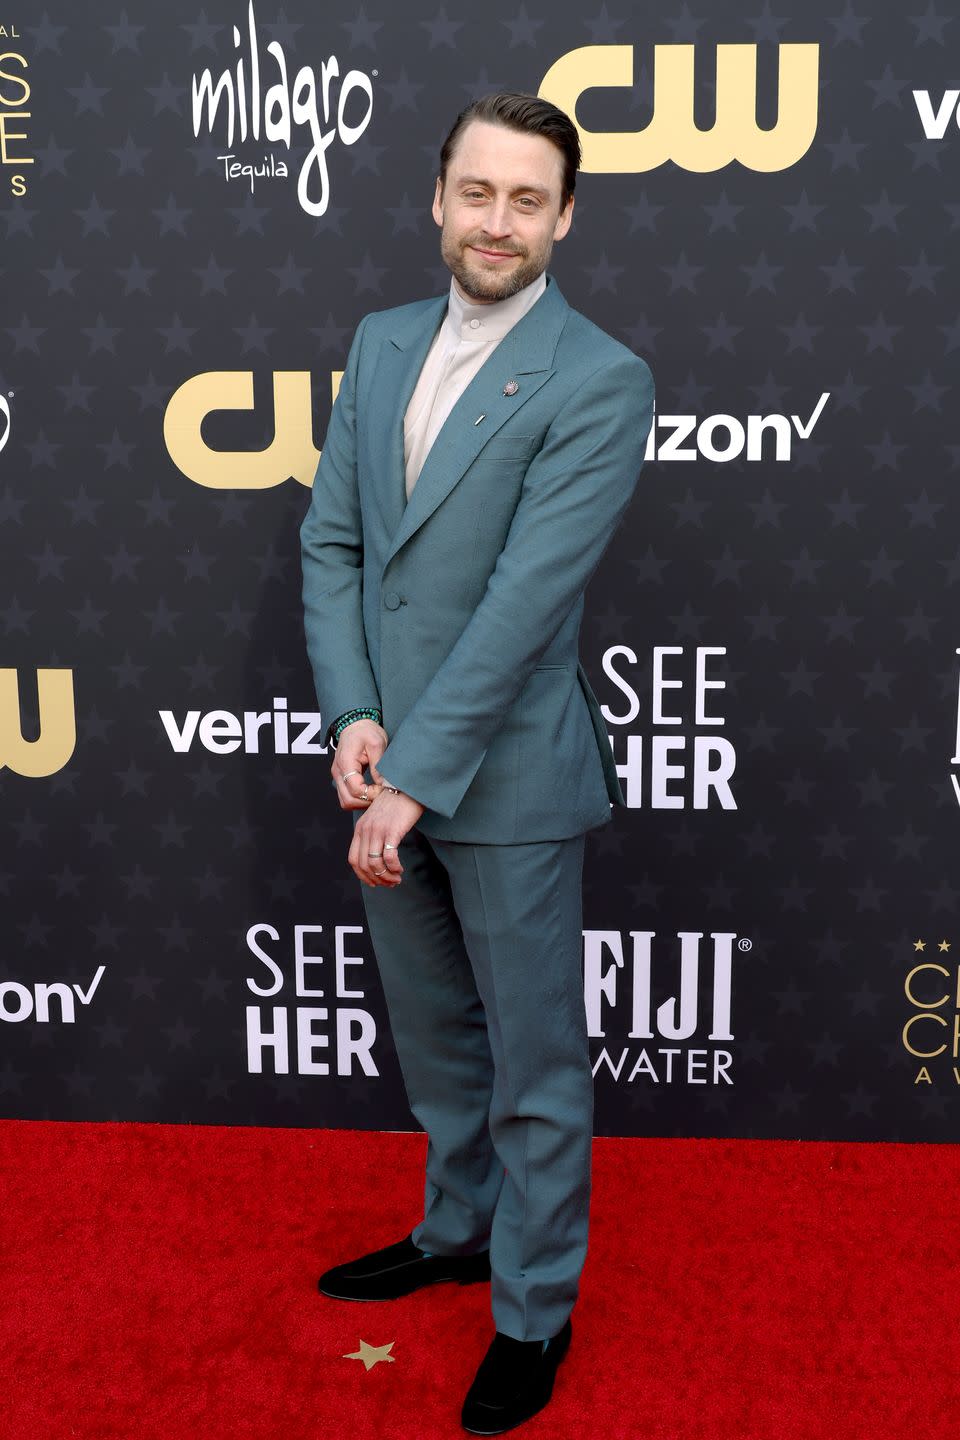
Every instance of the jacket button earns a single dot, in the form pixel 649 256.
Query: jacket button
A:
pixel 392 600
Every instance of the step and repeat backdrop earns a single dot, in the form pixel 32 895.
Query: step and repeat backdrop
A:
pixel 197 210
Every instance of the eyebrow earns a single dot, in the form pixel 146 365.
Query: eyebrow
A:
pixel 531 189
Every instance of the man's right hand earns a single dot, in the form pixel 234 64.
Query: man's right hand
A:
pixel 361 744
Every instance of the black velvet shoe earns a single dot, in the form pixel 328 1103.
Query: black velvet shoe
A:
pixel 399 1270
pixel 514 1381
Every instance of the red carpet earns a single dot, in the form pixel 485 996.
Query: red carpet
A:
pixel 159 1281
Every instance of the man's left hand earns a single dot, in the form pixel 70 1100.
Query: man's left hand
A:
pixel 387 820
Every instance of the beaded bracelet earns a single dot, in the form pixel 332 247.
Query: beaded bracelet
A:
pixel 363 712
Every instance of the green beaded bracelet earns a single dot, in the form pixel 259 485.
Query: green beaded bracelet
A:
pixel 363 712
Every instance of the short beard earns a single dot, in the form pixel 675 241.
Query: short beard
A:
pixel 487 286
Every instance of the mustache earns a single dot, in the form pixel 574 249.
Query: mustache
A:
pixel 482 243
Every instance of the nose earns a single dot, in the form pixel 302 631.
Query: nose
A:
pixel 498 219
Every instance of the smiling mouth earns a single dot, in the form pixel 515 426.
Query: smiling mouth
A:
pixel 495 254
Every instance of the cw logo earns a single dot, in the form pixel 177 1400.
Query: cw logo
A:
pixel 58 726
pixel 289 454
pixel 672 133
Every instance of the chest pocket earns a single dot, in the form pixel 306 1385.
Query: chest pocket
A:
pixel 509 449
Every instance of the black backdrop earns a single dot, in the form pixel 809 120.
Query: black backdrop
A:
pixel 774 630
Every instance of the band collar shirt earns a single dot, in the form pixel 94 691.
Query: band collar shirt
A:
pixel 468 336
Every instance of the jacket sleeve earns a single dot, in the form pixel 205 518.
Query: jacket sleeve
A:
pixel 574 494
pixel 331 549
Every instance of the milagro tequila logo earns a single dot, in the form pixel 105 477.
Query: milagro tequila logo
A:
pixel 622 980
pixel 330 105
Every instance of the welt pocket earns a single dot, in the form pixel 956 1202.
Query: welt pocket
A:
pixel 509 447
pixel 552 667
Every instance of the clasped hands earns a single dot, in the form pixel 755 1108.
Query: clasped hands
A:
pixel 388 817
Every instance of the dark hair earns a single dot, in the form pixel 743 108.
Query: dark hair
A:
pixel 527 113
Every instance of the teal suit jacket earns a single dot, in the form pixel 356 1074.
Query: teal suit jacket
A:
pixel 458 613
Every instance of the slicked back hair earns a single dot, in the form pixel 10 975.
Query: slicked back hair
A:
pixel 528 114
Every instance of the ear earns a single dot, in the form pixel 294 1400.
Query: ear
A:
pixel 438 203
pixel 564 220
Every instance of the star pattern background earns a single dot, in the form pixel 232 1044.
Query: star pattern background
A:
pixel 831 579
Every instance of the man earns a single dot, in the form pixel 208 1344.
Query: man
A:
pixel 480 455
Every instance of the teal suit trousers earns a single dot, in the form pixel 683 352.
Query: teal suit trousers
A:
pixel 479 954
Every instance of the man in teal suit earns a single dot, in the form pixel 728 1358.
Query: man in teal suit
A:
pixel 480 455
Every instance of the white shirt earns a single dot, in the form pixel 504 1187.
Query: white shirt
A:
pixel 468 336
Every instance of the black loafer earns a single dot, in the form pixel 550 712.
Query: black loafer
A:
pixel 399 1270
pixel 514 1381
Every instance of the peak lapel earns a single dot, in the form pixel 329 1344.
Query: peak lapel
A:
pixel 526 351
pixel 398 368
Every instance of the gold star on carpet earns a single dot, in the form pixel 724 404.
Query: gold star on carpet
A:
pixel 372 1354
pixel 920 945
pixel 944 945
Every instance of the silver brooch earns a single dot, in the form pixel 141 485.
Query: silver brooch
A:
pixel 511 387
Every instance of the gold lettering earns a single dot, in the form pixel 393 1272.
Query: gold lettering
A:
pixel 672 133
pixel 7 135
pixel 922 1054
pixel 24 95
pixel 58 730
pixel 907 984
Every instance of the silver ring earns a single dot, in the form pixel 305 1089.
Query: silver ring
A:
pixel 389 847
pixel 379 872
pixel 349 773
pixel 374 854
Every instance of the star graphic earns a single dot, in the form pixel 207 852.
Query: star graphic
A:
pixel 920 945
pixel 930 26
pixel 944 945
pixel 372 1354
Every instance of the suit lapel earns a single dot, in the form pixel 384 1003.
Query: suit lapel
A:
pixel 398 368
pixel 525 355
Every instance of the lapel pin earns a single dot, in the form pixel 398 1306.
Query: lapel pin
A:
pixel 511 387
pixel 479 418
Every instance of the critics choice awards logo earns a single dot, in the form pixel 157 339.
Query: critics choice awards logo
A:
pixel 15 116
pixel 931 1032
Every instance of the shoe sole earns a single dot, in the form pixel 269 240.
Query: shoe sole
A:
pixel 401 1295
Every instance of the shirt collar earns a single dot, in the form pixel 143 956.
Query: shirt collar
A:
pixel 490 322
